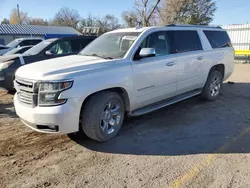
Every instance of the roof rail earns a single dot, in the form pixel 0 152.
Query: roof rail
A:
pixel 189 25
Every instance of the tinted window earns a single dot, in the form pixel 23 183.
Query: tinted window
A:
pixel 158 41
pixel 39 47
pixel 35 42
pixel 23 50
pixel 29 42
pixel 183 41
pixel 218 39
pixel 79 44
pixel 61 47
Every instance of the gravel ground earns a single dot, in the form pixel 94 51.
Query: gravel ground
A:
pixel 190 144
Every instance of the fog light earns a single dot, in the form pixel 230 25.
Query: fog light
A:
pixel 52 128
pixel 1 78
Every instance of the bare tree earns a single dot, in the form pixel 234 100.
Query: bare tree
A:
pixel 144 13
pixel 130 18
pixel 107 23
pixel 66 17
pixel 89 21
pixel 5 21
pixel 37 21
pixel 14 18
pixel 187 11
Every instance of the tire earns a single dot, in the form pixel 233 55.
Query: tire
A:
pixel 103 116
pixel 212 89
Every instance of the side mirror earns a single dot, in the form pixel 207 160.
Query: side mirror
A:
pixel 147 52
pixel 49 53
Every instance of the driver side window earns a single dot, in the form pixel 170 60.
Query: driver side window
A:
pixel 61 48
pixel 158 41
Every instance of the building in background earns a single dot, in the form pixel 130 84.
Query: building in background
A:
pixel 239 35
pixel 10 32
pixel 94 31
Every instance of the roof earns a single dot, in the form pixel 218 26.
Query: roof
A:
pixel 133 29
pixel 173 26
pixel 197 26
pixel 11 29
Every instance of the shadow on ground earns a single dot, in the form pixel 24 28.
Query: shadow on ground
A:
pixel 7 110
pixel 6 107
pixel 190 127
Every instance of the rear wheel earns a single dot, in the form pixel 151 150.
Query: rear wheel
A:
pixel 212 89
pixel 103 116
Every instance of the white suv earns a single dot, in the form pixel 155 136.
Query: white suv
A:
pixel 128 71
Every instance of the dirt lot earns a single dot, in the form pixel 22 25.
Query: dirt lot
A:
pixel 190 144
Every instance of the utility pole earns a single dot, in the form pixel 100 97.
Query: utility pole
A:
pixel 18 14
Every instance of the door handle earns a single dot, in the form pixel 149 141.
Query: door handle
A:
pixel 200 58
pixel 170 64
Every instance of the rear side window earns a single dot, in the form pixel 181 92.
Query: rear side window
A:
pixel 218 39
pixel 183 41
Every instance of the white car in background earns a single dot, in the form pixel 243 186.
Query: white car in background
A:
pixel 128 71
pixel 20 43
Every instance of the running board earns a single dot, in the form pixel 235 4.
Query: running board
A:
pixel 164 103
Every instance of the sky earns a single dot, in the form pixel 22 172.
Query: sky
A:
pixel 228 11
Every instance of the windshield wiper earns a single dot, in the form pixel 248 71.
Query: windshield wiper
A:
pixel 101 56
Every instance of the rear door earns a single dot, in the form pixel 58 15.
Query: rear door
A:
pixel 186 45
pixel 155 78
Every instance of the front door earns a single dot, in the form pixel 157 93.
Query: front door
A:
pixel 155 78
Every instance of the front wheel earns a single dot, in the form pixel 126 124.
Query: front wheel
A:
pixel 212 89
pixel 103 116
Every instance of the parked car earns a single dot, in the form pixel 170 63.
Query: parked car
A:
pixel 18 50
pixel 19 43
pixel 3 49
pixel 127 71
pixel 46 49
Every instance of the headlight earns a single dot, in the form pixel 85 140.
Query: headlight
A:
pixel 50 91
pixel 5 65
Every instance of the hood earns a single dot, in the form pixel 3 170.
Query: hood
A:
pixel 61 68
pixel 8 58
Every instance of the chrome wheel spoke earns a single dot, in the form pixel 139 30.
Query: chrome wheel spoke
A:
pixel 115 111
pixel 110 105
pixel 105 126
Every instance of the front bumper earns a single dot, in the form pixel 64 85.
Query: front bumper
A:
pixel 56 119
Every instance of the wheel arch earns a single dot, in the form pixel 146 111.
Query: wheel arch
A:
pixel 220 68
pixel 120 90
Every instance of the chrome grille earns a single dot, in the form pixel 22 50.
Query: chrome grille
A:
pixel 26 97
pixel 27 91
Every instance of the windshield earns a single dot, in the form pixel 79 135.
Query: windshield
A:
pixel 14 43
pixel 38 48
pixel 111 45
